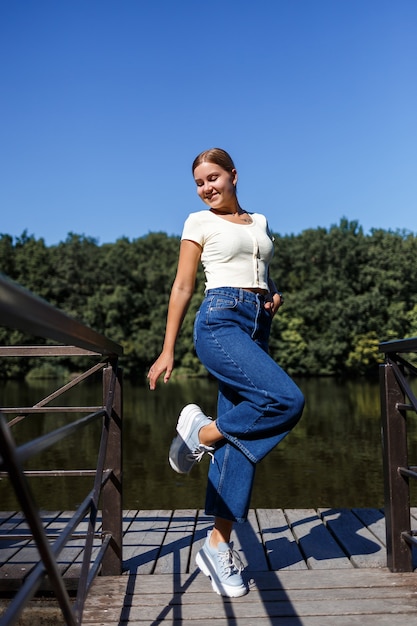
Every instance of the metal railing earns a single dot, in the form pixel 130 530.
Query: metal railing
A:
pixel 397 400
pixel 21 310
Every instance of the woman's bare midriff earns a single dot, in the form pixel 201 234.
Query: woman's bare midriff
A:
pixel 254 290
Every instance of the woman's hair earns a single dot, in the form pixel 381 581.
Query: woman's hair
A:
pixel 217 156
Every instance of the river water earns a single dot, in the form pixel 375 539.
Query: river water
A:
pixel 332 458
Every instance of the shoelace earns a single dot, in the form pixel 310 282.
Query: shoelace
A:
pixel 230 562
pixel 198 454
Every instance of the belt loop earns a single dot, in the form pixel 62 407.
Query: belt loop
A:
pixel 240 295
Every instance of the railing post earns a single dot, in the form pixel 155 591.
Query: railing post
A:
pixel 112 491
pixel 396 486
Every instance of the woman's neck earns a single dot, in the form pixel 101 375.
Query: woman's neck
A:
pixel 235 210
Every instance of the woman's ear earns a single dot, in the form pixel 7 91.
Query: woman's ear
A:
pixel 234 177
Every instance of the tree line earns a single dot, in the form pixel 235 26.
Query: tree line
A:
pixel 345 291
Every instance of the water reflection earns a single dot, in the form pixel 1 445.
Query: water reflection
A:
pixel 331 459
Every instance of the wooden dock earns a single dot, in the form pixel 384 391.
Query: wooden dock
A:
pixel 304 568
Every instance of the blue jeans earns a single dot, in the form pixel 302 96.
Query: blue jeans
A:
pixel 258 403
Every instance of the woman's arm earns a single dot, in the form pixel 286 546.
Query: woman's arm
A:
pixel 181 294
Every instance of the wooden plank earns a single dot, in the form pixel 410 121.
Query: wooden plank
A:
pixel 320 549
pixel 5 516
pixel 363 547
pixel 284 598
pixel 23 560
pixel 367 578
pixel 247 541
pixel 175 550
pixel 13 524
pixel 374 520
pixel 280 545
pixel 350 620
pixel 18 556
pixel 128 517
pixel 158 541
pixel 204 523
pixel 282 595
pixel 143 539
pixel 333 579
pixel 292 598
pixel 73 548
pixel 238 608
pixel 161 541
pixel 74 551
pixel 27 556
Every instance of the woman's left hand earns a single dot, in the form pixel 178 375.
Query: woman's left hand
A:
pixel 272 303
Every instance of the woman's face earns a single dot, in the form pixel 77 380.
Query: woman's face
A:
pixel 215 186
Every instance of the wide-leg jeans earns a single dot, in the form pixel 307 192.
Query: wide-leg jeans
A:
pixel 258 403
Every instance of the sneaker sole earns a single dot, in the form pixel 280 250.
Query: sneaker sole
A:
pixel 184 425
pixel 172 464
pixel 186 419
pixel 218 587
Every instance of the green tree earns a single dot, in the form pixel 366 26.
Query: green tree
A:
pixel 344 293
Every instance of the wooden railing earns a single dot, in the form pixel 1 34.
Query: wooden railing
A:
pixel 21 310
pixel 397 402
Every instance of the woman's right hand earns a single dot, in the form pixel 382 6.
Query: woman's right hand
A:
pixel 164 363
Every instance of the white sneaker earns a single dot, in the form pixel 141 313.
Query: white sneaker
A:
pixel 186 448
pixel 223 566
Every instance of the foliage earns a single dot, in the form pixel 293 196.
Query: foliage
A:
pixel 345 291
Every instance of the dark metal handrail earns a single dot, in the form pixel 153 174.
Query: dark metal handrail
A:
pixel 22 310
pixel 397 399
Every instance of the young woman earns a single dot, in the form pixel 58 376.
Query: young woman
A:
pixel 258 404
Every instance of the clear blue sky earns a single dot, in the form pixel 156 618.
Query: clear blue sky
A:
pixel 105 103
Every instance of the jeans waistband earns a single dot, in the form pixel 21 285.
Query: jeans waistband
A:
pixel 241 294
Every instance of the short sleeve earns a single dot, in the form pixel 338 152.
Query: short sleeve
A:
pixel 193 229
pixel 269 233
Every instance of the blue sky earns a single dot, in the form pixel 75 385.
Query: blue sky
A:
pixel 105 103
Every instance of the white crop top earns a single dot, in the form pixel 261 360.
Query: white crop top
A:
pixel 234 255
